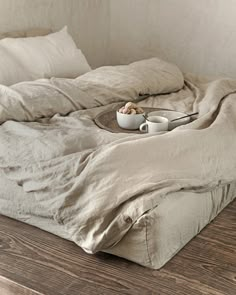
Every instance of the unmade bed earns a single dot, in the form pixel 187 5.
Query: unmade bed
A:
pixel 138 196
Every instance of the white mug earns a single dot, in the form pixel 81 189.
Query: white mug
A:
pixel 154 124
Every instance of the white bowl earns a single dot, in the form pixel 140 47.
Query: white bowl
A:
pixel 171 115
pixel 132 121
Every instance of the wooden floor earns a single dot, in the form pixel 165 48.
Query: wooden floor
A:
pixel 35 262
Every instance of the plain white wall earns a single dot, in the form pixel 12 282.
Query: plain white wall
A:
pixel 197 35
pixel 87 21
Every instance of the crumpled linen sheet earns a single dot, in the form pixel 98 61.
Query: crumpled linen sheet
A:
pixel 97 184
pixel 28 101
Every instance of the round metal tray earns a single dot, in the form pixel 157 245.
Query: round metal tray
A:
pixel 107 120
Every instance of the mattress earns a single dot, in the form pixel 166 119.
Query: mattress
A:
pixel 154 238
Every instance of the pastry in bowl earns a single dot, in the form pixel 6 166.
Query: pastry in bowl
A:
pixel 130 116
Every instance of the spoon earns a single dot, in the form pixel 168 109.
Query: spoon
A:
pixel 146 118
pixel 184 117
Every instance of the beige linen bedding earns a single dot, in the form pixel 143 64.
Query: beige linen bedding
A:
pixel 153 239
pixel 163 231
pixel 95 183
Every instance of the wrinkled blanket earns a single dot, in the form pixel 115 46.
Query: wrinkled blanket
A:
pixel 44 98
pixel 95 183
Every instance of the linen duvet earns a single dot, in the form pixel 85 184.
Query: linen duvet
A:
pixel 97 184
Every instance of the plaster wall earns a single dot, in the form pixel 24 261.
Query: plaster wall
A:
pixel 87 21
pixel 199 36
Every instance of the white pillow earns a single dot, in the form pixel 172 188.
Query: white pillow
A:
pixel 27 59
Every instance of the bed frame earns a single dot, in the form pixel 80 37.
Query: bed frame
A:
pixel 33 262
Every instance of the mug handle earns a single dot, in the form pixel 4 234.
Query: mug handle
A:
pixel 143 127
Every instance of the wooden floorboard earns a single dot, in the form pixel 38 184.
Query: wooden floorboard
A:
pixel 33 262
